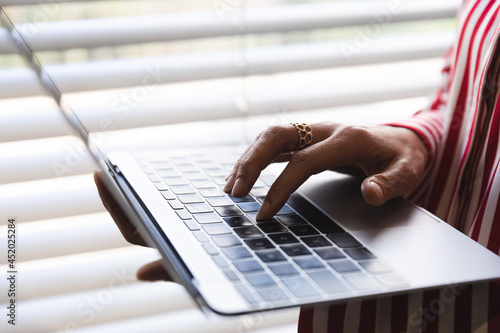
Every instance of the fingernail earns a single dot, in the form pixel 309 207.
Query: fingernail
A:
pixel 262 213
pixel 229 183
pixel 238 187
pixel 377 190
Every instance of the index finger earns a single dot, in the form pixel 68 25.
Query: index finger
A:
pixel 302 165
pixel 272 143
pixel 266 147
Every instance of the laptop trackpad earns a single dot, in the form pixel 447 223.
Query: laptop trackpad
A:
pixel 340 197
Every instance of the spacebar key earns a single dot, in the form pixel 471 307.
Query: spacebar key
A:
pixel 313 215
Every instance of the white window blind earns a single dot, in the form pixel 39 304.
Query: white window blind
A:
pixel 168 73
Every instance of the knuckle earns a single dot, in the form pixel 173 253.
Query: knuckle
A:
pixel 352 131
pixel 273 132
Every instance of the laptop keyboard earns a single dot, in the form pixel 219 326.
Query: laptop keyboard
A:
pixel 299 254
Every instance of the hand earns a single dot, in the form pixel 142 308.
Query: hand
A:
pixel 151 272
pixel 392 159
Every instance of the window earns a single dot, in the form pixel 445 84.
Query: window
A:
pixel 167 72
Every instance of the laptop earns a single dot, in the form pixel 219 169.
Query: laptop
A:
pixel 325 245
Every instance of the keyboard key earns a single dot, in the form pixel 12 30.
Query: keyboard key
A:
pixel 236 252
pixel 361 281
pixel 259 191
pixel 168 195
pixel 267 179
pixel 259 243
pixel 248 232
pixel 228 211
pixel 303 230
pixel 271 227
pixel 344 240
pixel 284 238
pixel 161 165
pixel 248 266
pixel 273 294
pixel 311 213
pixel 175 204
pixel 212 169
pixel 249 206
pixel 328 282
pixel 200 236
pixel 184 214
pixel 291 220
pixel 190 198
pixel 207 218
pixel 286 210
pixel 226 240
pixel 238 221
pixel 329 253
pixel 216 228
pixel 244 199
pixel 300 287
pixel 309 262
pixel 168 173
pixel 375 266
pixel 343 266
pixel 210 248
pixel 247 295
pixel 182 189
pixel 211 192
pixel 262 280
pixel 185 165
pixel 270 255
pixel 203 183
pixel 148 170
pixel 316 241
pixel 221 262
pixel 175 181
pixel 194 176
pixel 192 225
pixel 197 208
pixel 220 201
pixel 253 217
pixel 360 253
pixel 231 275
pixel 283 269
pixel 154 178
pixel 295 250
pixel 221 181
pixel 161 186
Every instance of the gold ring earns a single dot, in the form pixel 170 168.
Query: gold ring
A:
pixel 305 135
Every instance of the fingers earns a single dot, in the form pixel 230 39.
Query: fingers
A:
pixel 266 147
pixel 301 166
pixel 272 145
pixel 154 271
pixel 121 219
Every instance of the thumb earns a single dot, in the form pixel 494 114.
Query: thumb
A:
pixel 373 192
pixel 378 189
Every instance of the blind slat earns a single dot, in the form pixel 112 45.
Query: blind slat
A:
pixel 49 198
pixel 83 271
pixel 192 67
pixel 192 321
pixel 129 30
pixel 96 306
pixel 69 235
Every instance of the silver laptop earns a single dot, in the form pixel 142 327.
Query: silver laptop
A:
pixel 325 245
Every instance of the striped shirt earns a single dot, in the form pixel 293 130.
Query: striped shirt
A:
pixel 462 186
